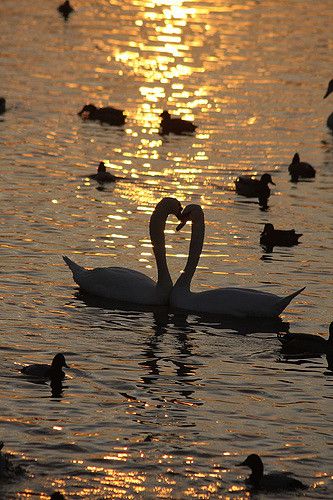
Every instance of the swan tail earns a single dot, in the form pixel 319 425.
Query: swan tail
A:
pixel 75 268
pixel 282 303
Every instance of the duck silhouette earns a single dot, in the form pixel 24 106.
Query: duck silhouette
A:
pixel 65 9
pixel 255 188
pixel 271 237
pixel 175 125
pixel 300 169
pixel 273 482
pixel 109 115
pixel 329 90
pixel 53 371
pixel 304 343
pixel 2 105
pixel 57 496
pixel 102 175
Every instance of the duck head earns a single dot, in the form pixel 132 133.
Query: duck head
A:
pixel 190 213
pixel 254 462
pixel 101 167
pixel 329 89
pixel 165 115
pixel 268 229
pixel 296 159
pixel 87 110
pixel 59 361
pixel 267 179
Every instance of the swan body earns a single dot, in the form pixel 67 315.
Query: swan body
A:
pixel 232 301
pixel 330 117
pixel 102 175
pixel 299 168
pixel 109 115
pixel 128 285
pixel 278 237
pixel 303 343
pixel 175 125
pixel 255 188
pixel 47 371
pixel 273 482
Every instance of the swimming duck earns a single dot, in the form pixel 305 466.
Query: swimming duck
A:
pixel 8 471
pixel 328 92
pixel 175 125
pixel 278 237
pixel 65 9
pixel 255 188
pixel 109 115
pixel 102 175
pixel 301 169
pixel 304 343
pixel 275 481
pixel 57 496
pixel 2 105
pixel 52 371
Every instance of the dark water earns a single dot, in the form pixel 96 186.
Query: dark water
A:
pixel 159 405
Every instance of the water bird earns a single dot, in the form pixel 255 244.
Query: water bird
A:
pixel 109 115
pixel 102 175
pixel 57 496
pixel 53 371
pixel 271 237
pixel 8 470
pixel 127 285
pixel 275 481
pixel 2 105
pixel 306 343
pixel 255 188
pixel 330 117
pixel 175 125
pixel 230 301
pixel 65 9
pixel 298 168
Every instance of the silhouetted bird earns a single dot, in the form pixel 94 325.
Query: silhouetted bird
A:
pixel 301 169
pixel 271 237
pixel 57 496
pixel 65 9
pixel 53 371
pixel 175 125
pixel 328 92
pixel 102 175
pixel 109 115
pixel 2 105
pixel 255 188
pixel 304 343
pixel 275 481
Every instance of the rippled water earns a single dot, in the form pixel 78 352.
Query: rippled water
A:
pixel 157 404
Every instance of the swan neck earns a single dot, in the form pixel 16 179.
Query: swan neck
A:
pixel 196 244
pixel 156 230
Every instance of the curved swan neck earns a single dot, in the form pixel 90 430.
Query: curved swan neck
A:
pixel 156 230
pixel 196 244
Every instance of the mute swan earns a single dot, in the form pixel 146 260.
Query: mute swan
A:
pixel 120 283
pixel 175 125
pixel 109 115
pixel 102 175
pixel 299 168
pixel 328 92
pixel 275 481
pixel 255 188
pixel 278 237
pixel 47 371
pixel 241 302
pixel 302 343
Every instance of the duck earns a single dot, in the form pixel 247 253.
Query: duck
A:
pixel 273 482
pixel 306 343
pixel 255 188
pixel 175 125
pixel 102 175
pixel 277 237
pixel 329 90
pixel 2 105
pixel 57 496
pixel 8 471
pixel 109 115
pixel 53 371
pixel 298 168
pixel 65 9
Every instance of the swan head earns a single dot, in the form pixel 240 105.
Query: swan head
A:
pixel 101 167
pixel 329 89
pixel 170 206
pixel 267 179
pixel 191 212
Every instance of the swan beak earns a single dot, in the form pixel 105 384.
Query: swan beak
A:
pixel 181 225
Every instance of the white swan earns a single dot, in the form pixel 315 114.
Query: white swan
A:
pixel 240 302
pixel 120 283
